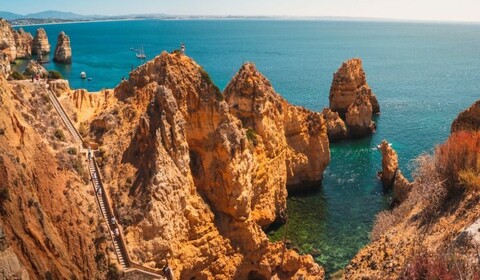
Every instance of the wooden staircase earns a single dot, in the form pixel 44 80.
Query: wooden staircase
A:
pixel 106 209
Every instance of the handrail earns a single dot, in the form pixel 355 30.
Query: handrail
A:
pixel 123 256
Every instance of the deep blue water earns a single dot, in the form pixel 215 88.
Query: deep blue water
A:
pixel 423 75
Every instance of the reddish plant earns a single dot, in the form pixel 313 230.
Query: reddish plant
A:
pixel 458 159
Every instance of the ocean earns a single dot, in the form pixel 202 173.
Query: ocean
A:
pixel 423 74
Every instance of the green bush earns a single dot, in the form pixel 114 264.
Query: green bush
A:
pixel 4 195
pixel 17 76
pixel 72 151
pixel 252 136
pixel 59 135
pixel 2 131
pixel 54 75
pixel 113 273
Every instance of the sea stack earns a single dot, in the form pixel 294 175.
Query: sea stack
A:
pixel 23 42
pixel 63 50
pixel 352 98
pixel 391 176
pixel 40 43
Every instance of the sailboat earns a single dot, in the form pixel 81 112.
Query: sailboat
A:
pixel 141 53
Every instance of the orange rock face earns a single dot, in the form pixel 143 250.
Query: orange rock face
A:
pixel 194 177
pixel 7 41
pixel 40 43
pixel 63 50
pixel 47 215
pixel 23 43
pixel 391 176
pixel 352 98
pixel 336 128
pixel 468 119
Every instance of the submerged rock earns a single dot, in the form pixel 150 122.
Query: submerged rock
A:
pixel 40 43
pixel 63 50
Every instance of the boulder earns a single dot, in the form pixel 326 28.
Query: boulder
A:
pixel 63 50
pixel 34 68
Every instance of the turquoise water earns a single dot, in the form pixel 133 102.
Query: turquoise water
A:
pixel 422 73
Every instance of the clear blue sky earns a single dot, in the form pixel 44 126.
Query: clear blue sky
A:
pixel 457 10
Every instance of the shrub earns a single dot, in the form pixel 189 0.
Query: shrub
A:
pixel 112 273
pixel 59 135
pixel 4 196
pixel 54 75
pixel 252 136
pixel 17 76
pixel 428 268
pixel 458 159
pixel 2 131
pixel 72 151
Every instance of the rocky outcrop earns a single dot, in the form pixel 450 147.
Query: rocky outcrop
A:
pixel 7 40
pixel 336 128
pixel 23 43
pixel 47 211
pixel 34 68
pixel 191 182
pixel 359 116
pixel 391 176
pixel 63 50
pixel 348 82
pixel 353 99
pixel 468 119
pixel 40 43
pixel 5 67
pixel 292 138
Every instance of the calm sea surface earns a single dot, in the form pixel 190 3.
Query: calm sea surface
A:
pixel 424 74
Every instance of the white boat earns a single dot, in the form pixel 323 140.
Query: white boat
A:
pixel 141 53
pixel 83 75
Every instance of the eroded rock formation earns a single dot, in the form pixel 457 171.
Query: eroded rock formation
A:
pixel 40 43
pixel 34 68
pixel 352 98
pixel 391 176
pixel 7 40
pixel 194 177
pixel 336 128
pixel 23 43
pixel 468 119
pixel 63 50
pixel 49 228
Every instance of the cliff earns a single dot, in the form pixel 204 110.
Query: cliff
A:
pixel 189 181
pixel 23 43
pixel 433 233
pixel 468 119
pixel 40 43
pixel 7 41
pixel 49 228
pixel 352 98
pixel 63 50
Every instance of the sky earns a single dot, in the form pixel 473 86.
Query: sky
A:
pixel 442 10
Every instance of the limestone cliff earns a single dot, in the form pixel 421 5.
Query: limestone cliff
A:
pixel 40 43
pixel 34 68
pixel 433 233
pixel 391 176
pixel 468 119
pixel 63 50
pixel 192 184
pixel 23 43
pixel 352 98
pixel 49 225
pixel 7 40
pixel 293 139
